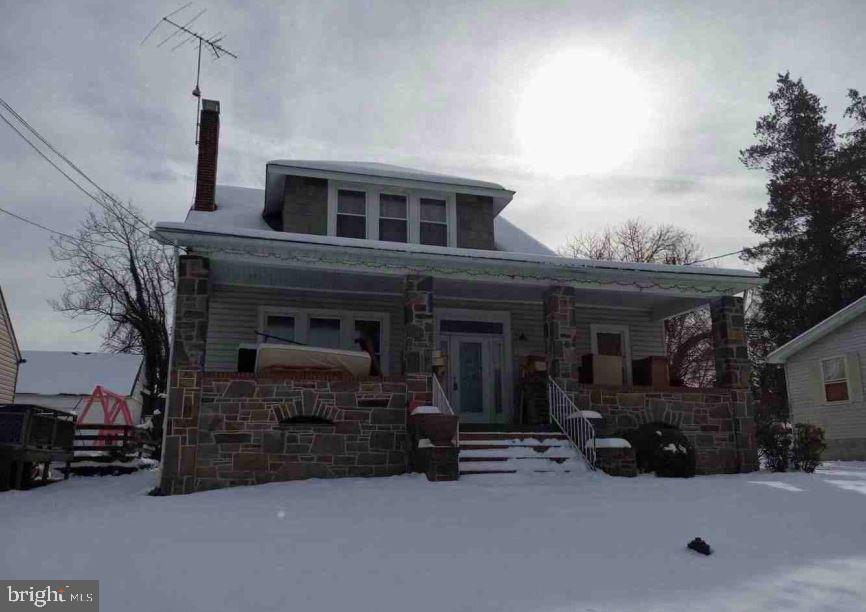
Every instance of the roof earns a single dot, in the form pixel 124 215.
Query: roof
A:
pixel 74 373
pixel 240 208
pixel 813 334
pixel 8 321
pixel 370 169
pixel 375 173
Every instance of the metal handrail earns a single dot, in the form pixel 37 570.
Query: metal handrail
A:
pixel 570 420
pixel 440 400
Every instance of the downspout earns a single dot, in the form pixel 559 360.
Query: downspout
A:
pixel 167 404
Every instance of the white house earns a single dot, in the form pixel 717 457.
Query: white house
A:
pixel 824 374
pixel 10 355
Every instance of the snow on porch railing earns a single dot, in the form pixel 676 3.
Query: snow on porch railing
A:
pixel 565 415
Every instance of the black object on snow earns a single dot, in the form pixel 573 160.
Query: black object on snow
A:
pixel 698 545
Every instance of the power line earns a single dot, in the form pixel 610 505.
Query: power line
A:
pixel 716 257
pixel 54 231
pixel 102 192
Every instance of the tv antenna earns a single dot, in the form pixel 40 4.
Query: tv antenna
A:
pixel 212 43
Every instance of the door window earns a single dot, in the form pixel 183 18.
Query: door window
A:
pixel 471 383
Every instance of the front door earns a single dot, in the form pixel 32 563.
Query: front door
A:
pixel 474 376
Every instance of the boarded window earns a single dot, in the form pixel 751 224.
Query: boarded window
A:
pixel 835 376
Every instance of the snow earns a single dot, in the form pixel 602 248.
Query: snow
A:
pixel 512 543
pixel 609 443
pixel 426 410
pixel 375 169
pixel 75 373
pixel 587 414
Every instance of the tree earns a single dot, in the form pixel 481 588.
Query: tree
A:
pixel 813 225
pixel 115 274
pixel 688 337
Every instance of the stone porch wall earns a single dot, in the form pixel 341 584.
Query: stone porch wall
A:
pixel 718 422
pixel 240 440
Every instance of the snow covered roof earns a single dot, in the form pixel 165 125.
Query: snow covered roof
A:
pixel 241 208
pixel 374 173
pixel 74 373
pixel 813 334
pixel 374 169
pixel 6 319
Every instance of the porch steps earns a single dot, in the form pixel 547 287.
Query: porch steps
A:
pixel 510 452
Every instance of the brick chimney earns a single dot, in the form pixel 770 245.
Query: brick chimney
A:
pixel 208 147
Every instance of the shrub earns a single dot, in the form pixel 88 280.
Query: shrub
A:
pixel 662 449
pixel 808 446
pixel 774 443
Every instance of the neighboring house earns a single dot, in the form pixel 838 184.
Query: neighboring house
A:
pixel 10 355
pixel 66 380
pixel 425 269
pixel 824 373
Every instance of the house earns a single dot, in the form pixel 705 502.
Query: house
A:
pixel 824 376
pixel 65 380
pixel 423 268
pixel 10 355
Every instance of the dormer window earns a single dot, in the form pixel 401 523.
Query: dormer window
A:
pixel 393 217
pixel 434 221
pixel 392 214
pixel 351 214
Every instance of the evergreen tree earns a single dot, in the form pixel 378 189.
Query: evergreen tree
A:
pixel 813 226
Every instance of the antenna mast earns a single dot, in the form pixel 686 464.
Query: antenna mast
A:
pixel 211 43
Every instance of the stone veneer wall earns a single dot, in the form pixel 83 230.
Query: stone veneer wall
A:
pixel 420 325
pixel 718 422
pixel 240 439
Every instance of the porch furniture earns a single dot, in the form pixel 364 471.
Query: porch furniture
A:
pixel 601 370
pixel 650 372
pixel 31 435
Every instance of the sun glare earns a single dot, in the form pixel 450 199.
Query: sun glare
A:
pixel 582 112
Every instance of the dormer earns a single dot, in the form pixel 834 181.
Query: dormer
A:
pixel 371 201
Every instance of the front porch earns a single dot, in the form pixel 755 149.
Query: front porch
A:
pixel 492 345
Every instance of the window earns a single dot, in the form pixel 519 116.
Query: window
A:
pixel 434 222
pixel 366 331
pixel 613 340
pixel 324 333
pixel 279 329
pixel 351 214
pixel 834 373
pixel 393 218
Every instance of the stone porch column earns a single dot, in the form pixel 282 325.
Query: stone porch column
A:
pixel 180 426
pixel 729 342
pixel 733 370
pixel 560 330
pixel 418 318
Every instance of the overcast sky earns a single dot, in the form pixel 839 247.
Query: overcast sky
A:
pixel 593 112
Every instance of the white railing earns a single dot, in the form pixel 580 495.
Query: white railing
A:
pixel 570 420
pixel 440 400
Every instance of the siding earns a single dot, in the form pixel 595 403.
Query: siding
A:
pixel 8 358
pixel 845 421
pixel 234 318
pixel 527 319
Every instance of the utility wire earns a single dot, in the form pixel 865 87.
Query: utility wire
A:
pixel 715 257
pixel 56 232
pixel 86 192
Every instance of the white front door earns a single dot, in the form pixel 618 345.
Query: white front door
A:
pixel 475 376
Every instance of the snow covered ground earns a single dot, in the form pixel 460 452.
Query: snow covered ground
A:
pixel 523 543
